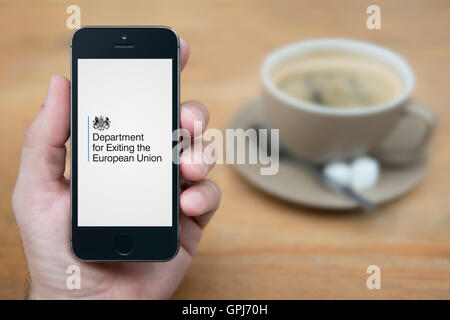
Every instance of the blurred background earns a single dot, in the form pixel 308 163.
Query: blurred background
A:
pixel 257 246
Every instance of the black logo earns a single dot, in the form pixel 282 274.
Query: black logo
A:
pixel 101 123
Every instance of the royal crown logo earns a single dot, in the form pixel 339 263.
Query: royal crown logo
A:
pixel 101 123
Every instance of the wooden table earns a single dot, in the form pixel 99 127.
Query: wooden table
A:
pixel 257 246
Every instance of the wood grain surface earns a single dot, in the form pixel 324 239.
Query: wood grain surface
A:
pixel 256 246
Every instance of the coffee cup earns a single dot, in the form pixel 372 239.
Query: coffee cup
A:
pixel 336 99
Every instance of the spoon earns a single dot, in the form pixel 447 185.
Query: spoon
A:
pixel 316 171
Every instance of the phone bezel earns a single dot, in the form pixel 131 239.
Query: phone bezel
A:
pixel 151 243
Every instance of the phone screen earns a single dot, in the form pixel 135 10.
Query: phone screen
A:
pixel 124 142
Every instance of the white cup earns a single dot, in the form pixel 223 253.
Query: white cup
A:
pixel 323 134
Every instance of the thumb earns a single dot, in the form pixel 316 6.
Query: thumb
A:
pixel 44 152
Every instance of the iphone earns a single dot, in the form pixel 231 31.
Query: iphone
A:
pixel 124 111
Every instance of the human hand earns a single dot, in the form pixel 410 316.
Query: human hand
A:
pixel 41 203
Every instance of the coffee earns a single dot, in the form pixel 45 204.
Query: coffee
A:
pixel 338 79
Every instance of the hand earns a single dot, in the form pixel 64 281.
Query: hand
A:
pixel 41 202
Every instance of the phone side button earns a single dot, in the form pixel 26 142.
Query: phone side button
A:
pixel 124 245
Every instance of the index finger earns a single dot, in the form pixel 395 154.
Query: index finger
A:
pixel 184 52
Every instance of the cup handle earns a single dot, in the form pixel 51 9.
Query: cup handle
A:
pixel 407 155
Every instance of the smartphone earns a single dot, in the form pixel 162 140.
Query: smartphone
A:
pixel 124 110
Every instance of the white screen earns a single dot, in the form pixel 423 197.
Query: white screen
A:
pixel 126 181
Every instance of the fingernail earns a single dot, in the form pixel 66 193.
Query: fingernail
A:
pixel 197 114
pixel 50 92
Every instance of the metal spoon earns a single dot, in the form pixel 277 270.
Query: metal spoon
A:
pixel 317 172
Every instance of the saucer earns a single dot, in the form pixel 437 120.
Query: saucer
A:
pixel 294 184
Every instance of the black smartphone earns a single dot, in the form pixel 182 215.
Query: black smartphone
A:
pixel 124 111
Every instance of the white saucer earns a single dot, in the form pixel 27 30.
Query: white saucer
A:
pixel 296 185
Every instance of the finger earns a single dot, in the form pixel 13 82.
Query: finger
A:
pixel 203 220
pixel 197 161
pixel 44 153
pixel 184 48
pixel 190 235
pixel 200 201
pixel 193 114
pixel 51 125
